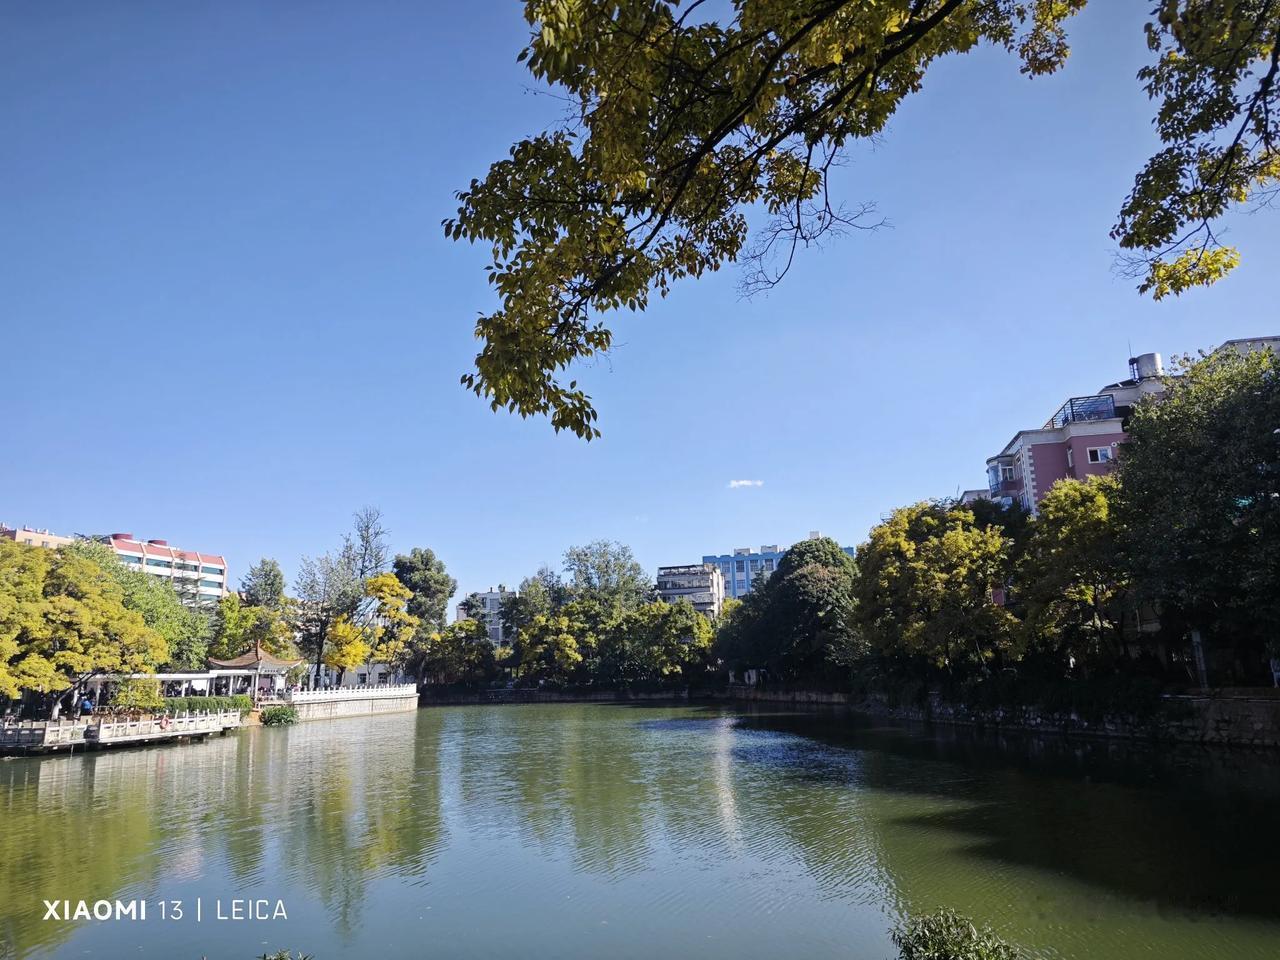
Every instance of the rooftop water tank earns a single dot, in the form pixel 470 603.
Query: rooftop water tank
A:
pixel 1146 366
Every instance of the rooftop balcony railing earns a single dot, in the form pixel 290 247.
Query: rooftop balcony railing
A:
pixel 1080 409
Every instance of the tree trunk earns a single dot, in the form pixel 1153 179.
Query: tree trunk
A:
pixel 1198 657
pixel 321 634
pixel 62 695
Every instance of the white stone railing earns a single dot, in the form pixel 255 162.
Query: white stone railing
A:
pixel 50 733
pixel 38 733
pixel 378 692
pixel 182 725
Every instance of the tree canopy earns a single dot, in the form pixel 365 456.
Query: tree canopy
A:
pixel 184 630
pixel 1072 576
pixel 1200 493
pixel 239 627
pixel 536 595
pixel 548 648
pixel 683 124
pixel 925 586
pixel 263 585
pixel 797 620
pixel 63 620
pixel 331 588
pixel 346 647
pixel 606 572
pixel 393 626
pixel 657 642
pixel 460 653
pixel 430 584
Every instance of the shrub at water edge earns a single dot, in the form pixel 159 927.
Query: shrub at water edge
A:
pixel 279 716
pixel 945 935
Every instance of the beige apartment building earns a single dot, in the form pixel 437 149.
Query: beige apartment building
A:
pixel 34 537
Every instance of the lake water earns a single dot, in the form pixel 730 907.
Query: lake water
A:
pixel 592 831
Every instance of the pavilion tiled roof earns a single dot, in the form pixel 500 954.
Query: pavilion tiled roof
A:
pixel 251 659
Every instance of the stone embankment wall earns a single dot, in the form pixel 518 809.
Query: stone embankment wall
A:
pixel 469 697
pixel 1237 718
pixel 353 702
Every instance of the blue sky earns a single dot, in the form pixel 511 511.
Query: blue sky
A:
pixel 230 317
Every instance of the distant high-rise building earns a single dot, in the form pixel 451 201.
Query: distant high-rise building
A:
pixel 702 584
pixel 744 566
pixel 741 568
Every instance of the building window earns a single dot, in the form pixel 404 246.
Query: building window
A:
pixel 768 564
pixel 1071 460
pixel 210 583
pixel 128 559
pixel 1100 455
pixel 216 570
pixel 1006 472
pixel 740 565
pixel 160 563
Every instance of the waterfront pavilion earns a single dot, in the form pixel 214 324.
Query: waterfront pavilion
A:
pixel 188 684
pixel 257 673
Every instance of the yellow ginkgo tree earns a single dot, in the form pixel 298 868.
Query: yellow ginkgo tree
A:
pixel 347 646
pixel 393 625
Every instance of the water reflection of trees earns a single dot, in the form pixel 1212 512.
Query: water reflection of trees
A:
pixel 328 806
pixel 1044 835
pixel 359 806
pixel 560 779
pixel 616 788
pixel 1051 834
pixel 870 814
pixel 94 827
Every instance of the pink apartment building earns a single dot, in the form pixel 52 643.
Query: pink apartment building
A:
pixel 1083 436
pixel 1081 439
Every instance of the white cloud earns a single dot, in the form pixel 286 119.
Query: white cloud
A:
pixel 735 484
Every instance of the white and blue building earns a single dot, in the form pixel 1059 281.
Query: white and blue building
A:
pixel 742 567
